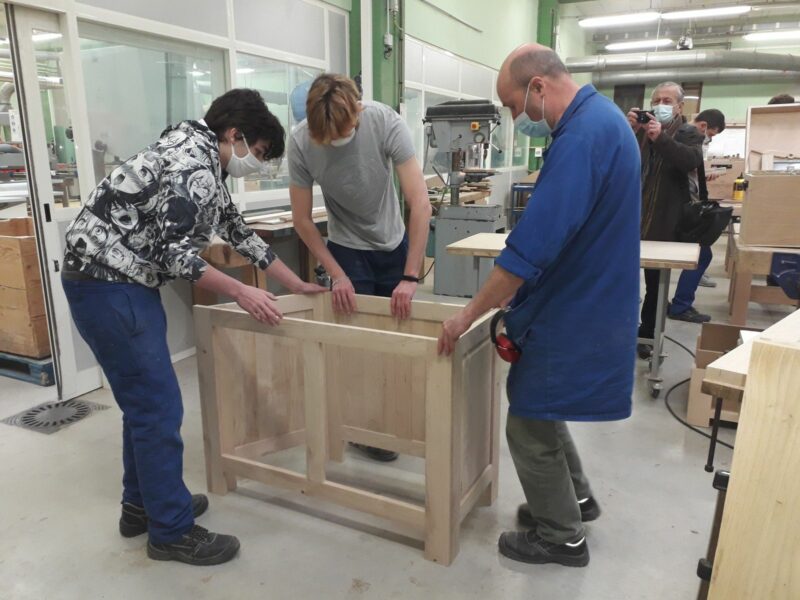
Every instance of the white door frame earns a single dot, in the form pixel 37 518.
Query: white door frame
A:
pixel 71 380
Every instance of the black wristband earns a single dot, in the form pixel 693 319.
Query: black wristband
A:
pixel 410 278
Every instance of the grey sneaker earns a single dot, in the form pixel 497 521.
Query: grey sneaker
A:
pixel 706 281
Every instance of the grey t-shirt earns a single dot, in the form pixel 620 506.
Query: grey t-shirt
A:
pixel 356 179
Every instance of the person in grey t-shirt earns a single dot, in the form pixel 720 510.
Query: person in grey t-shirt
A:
pixel 348 147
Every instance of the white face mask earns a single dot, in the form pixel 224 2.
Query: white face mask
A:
pixel 343 141
pixel 241 167
pixel 663 113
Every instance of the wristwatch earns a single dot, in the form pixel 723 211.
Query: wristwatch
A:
pixel 410 278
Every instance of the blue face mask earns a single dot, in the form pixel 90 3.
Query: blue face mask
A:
pixel 526 126
pixel 663 113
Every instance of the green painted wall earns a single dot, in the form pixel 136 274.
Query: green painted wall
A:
pixel 503 25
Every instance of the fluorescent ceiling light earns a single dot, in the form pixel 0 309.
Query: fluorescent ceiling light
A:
pixel 705 13
pixel 245 71
pixel 639 44
pixel 629 19
pixel 45 37
pixel 766 36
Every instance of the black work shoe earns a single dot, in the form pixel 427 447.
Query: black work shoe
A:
pixel 526 546
pixel 134 519
pixel 645 351
pixel 690 315
pixel 378 454
pixel 197 547
pixel 590 510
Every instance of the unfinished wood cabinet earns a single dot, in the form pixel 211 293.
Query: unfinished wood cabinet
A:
pixel 23 323
pixel 321 380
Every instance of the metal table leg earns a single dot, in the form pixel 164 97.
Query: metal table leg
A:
pixel 658 356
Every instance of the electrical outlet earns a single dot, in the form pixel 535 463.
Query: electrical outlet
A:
pixel 537 152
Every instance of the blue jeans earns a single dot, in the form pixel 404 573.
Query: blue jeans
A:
pixel 372 272
pixel 688 282
pixel 125 326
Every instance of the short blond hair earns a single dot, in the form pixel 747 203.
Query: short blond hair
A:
pixel 332 107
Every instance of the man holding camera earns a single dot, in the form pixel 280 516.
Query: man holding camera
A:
pixel 671 149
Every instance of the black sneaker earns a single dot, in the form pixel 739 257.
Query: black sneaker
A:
pixel 197 547
pixel 590 510
pixel 134 519
pixel 690 315
pixel 645 351
pixel 378 454
pixel 526 546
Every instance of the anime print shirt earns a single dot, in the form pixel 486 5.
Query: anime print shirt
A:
pixel 148 221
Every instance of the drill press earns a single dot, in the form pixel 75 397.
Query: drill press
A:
pixel 461 130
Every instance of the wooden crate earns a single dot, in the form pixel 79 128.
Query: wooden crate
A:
pixel 771 210
pixel 320 380
pixel 23 324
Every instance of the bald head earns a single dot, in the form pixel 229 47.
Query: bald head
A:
pixel 531 73
pixel 532 60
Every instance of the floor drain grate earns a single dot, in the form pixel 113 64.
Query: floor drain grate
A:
pixel 52 416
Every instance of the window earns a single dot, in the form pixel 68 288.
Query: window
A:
pixel 137 85
pixel 413 116
pixel 275 80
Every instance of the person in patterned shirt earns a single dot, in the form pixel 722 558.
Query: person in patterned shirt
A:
pixel 143 226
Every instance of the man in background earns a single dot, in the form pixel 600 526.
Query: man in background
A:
pixel 671 149
pixel 710 123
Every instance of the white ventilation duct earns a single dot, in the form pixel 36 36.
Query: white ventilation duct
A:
pixel 683 59
pixel 612 78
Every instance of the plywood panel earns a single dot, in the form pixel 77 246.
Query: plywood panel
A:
pixel 476 438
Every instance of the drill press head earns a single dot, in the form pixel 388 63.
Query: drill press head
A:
pixel 462 130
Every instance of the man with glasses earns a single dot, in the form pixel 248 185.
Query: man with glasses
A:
pixel 671 149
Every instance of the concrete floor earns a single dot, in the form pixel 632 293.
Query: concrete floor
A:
pixel 59 499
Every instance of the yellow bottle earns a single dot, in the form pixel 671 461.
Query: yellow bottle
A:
pixel 738 189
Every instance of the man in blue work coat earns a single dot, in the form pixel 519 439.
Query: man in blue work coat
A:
pixel 573 264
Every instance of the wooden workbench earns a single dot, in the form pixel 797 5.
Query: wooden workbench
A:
pixel 726 377
pixel 748 261
pixel 663 256
pixel 270 228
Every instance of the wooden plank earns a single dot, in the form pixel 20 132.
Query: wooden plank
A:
pixel 729 372
pixel 442 469
pixel 23 335
pixel 382 440
pixel 771 210
pixel 27 302
pixel 668 255
pixel 17 227
pixel 270 445
pixel 756 259
pixel 263 473
pixel 759 542
pixel 490 497
pixel 425 311
pixel 209 407
pixel 654 255
pixel 327 333
pixel 315 403
pixel 407 513
pixel 770 295
pixel 19 263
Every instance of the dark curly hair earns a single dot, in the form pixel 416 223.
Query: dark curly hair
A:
pixel 246 111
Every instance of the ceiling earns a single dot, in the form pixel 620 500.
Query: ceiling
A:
pixel 719 32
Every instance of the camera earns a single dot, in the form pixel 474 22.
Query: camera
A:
pixel 642 116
